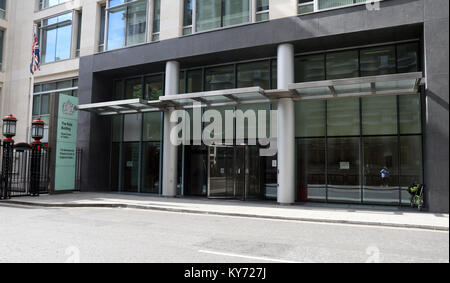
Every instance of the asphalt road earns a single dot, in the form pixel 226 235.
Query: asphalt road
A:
pixel 127 235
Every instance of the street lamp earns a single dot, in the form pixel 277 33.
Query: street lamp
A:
pixel 37 130
pixel 9 131
pixel 37 133
pixel 9 127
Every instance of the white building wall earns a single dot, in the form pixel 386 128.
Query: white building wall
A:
pixel 15 78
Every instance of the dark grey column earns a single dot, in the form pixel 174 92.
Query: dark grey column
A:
pixel 436 43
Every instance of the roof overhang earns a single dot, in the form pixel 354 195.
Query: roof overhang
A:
pixel 395 84
pixel 219 98
pixel 128 106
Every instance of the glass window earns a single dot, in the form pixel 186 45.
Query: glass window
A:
pixel 236 12
pixel 327 4
pixel 341 65
pixel 410 114
pixel 56 38
pixel 311 182
pixel 150 167
pixel 115 160
pixel 152 126
pixel 116 124
pixel 127 24
pixel 133 88
pixel 411 167
pixel 408 57
pixel 132 127
pixel 156 19
pixel 379 115
pixel 262 10
pixel 250 131
pixel 118 90
pixel 45 104
pixel 343 117
pixel 43 4
pixel 380 170
pixel 219 78
pixel 305 6
pixel 216 14
pixel 274 74
pixel 310 118
pixel 154 87
pixel 2 9
pixel 194 81
pixel 2 34
pixel 343 163
pixel 101 37
pixel 309 68
pixel 36 105
pixel 378 61
pixel 130 167
pixel 254 74
pixel 187 16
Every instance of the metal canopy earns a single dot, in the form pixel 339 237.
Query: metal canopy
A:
pixel 128 106
pixel 217 98
pixel 395 84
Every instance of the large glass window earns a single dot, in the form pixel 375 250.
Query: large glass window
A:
pixel 379 115
pixel 375 165
pixel 262 10
pixel 381 170
pixel 56 38
pixel 378 61
pixel 311 181
pixel 127 23
pixel 408 57
pixel 343 162
pixel 310 118
pixel 2 9
pixel 410 114
pixel 44 4
pixel 254 74
pixel 219 78
pixel 187 16
pixel 343 117
pixel 133 88
pixel 310 68
pixel 341 65
pixel 327 4
pixel 43 94
pixel 411 167
pixel 154 87
pixel 221 13
pixel 194 81
pixel 2 35
pixel 156 20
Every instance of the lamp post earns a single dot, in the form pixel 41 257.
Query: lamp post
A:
pixel 37 133
pixel 9 131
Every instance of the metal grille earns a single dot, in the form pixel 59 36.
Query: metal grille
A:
pixel 20 175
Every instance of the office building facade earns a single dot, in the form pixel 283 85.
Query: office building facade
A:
pixel 355 95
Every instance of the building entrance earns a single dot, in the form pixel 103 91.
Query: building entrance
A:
pixel 234 172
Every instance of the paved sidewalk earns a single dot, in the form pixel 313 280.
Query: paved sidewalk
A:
pixel 346 214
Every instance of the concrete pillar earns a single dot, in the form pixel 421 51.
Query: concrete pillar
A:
pixel 286 128
pixel 170 151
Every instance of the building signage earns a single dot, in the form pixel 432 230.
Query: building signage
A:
pixel 66 143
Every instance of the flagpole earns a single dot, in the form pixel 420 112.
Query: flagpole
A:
pixel 30 97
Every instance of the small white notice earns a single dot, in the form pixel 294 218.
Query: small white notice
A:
pixel 274 163
pixel 344 165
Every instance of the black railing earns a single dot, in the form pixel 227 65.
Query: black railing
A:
pixel 19 177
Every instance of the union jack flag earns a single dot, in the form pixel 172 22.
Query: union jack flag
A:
pixel 36 56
